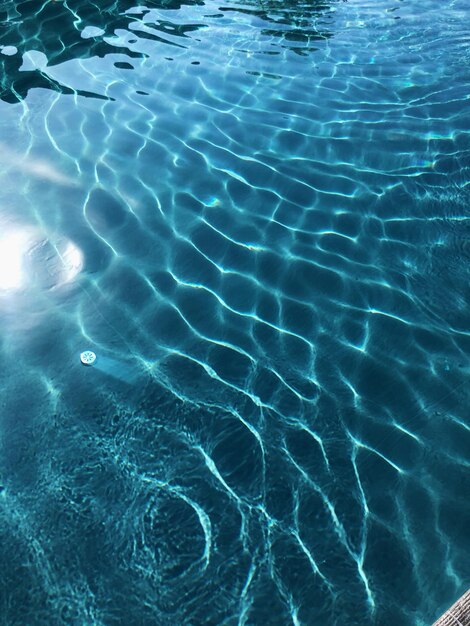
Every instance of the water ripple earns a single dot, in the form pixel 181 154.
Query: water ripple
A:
pixel 257 215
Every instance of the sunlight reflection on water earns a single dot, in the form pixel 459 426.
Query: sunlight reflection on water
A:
pixel 29 259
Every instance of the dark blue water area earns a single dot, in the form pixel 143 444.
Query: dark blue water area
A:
pixel 257 215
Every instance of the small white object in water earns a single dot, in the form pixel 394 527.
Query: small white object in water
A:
pixel 88 357
pixel 8 51
pixel 33 60
pixel 91 31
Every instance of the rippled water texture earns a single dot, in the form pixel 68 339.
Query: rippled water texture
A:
pixel 256 213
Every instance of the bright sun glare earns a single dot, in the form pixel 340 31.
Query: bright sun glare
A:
pixel 13 247
pixel 20 267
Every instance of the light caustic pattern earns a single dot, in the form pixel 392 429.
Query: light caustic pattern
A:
pixel 267 205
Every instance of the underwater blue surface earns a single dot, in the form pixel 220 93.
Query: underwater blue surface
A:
pixel 257 214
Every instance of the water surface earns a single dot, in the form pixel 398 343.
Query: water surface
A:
pixel 256 213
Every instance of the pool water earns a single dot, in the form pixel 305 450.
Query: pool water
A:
pixel 257 215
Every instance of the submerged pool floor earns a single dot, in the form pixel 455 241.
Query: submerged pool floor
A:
pixel 256 215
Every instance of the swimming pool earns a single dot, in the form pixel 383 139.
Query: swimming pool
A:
pixel 256 214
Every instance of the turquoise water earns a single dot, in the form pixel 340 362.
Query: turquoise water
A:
pixel 256 213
